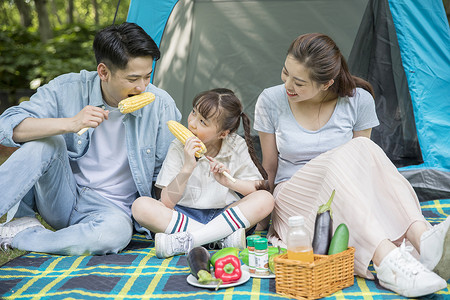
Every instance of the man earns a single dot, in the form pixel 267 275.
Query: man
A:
pixel 83 185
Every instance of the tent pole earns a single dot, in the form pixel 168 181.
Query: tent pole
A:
pixel 115 15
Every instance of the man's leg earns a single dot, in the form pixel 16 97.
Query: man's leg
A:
pixel 39 169
pixel 37 175
pixel 96 226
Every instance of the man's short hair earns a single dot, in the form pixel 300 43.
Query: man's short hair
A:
pixel 116 44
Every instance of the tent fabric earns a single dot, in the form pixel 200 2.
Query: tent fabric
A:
pixel 424 37
pixel 375 56
pixel 140 12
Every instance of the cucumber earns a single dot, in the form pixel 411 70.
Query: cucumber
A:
pixel 339 241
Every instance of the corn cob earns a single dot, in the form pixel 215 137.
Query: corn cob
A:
pixel 131 104
pixel 136 102
pixel 182 134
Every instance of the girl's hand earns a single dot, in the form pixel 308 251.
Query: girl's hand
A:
pixel 192 145
pixel 217 169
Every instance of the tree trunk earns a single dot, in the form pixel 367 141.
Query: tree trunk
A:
pixel 70 12
pixel 25 12
pixel 95 5
pixel 55 12
pixel 44 22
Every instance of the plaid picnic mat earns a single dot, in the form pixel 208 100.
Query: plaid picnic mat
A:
pixel 136 273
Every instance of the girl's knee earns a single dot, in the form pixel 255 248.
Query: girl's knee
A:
pixel 267 197
pixel 264 200
pixel 143 205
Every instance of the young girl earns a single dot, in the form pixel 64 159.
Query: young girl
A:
pixel 198 204
pixel 314 131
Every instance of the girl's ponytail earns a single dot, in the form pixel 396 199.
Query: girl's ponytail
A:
pixel 264 184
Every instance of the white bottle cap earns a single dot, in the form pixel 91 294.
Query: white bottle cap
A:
pixel 296 221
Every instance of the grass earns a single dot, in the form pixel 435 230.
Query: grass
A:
pixel 9 254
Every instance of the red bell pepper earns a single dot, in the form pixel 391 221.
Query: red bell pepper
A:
pixel 228 268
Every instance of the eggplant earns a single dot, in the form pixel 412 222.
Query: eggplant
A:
pixel 199 261
pixel 323 228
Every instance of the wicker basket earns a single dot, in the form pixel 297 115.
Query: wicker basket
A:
pixel 326 275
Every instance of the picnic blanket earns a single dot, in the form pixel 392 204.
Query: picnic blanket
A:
pixel 136 273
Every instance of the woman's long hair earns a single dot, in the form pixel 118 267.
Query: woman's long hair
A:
pixel 322 57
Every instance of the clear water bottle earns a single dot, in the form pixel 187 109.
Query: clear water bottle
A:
pixel 298 240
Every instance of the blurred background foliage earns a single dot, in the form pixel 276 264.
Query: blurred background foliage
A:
pixel 41 39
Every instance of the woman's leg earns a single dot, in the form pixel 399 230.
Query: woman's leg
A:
pixel 372 198
pixel 400 272
pixel 433 245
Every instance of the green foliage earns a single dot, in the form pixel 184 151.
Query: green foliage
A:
pixel 24 58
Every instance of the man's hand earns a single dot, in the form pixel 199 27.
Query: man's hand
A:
pixel 89 116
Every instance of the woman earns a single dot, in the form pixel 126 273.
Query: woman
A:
pixel 315 137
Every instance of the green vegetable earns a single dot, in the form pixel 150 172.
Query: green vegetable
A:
pixel 323 228
pixel 339 242
pixel 243 255
pixel 224 252
pixel 272 254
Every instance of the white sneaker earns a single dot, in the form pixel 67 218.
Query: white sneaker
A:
pixel 435 249
pixel 9 230
pixel 167 245
pixel 236 239
pixel 400 272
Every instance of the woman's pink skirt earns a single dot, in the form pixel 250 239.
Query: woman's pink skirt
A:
pixel 372 198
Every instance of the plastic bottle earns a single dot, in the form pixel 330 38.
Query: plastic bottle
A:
pixel 298 241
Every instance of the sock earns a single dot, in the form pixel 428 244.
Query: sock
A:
pixel 181 222
pixel 220 227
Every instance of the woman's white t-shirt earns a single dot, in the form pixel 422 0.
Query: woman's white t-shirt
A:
pixel 297 145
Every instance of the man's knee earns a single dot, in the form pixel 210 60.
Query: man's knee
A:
pixel 112 237
pixel 46 147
